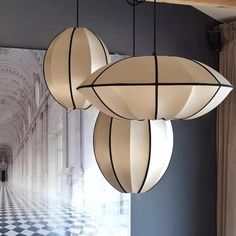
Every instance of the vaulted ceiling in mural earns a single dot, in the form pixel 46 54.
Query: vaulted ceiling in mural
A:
pixel 21 71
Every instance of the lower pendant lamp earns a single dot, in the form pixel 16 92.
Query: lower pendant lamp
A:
pixel 72 56
pixel 132 155
pixel 155 87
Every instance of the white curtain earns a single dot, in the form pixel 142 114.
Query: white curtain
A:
pixel 226 135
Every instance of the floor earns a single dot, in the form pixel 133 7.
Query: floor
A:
pixel 29 214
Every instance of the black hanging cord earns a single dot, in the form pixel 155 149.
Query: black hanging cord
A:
pixel 77 13
pixel 134 27
pixel 154 27
pixel 133 4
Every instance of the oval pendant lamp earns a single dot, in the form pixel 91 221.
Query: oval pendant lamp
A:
pixel 156 87
pixel 132 155
pixel 71 57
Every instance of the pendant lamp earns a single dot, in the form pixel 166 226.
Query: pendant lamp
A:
pixel 132 155
pixel 71 57
pixel 155 87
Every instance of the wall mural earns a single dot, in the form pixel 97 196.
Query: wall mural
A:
pixel 49 151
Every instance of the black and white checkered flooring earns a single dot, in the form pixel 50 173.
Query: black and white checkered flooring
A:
pixel 21 214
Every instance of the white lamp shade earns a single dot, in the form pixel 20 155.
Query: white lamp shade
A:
pixel 156 87
pixel 71 57
pixel 132 155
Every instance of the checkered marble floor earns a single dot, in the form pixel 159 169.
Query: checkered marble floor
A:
pixel 24 215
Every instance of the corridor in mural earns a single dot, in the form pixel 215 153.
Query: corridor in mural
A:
pixel 50 183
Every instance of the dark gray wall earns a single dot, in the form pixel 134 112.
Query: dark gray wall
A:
pixel 183 203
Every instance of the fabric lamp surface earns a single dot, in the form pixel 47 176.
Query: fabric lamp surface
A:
pixel 155 87
pixel 132 155
pixel 72 56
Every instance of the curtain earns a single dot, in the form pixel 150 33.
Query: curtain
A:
pixel 226 135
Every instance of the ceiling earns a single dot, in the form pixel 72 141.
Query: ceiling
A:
pixel 220 13
pixel 222 10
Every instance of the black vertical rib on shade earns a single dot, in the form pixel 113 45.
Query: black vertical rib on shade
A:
pixel 207 70
pixel 86 108
pixel 112 164
pixel 69 64
pixel 149 157
pixel 107 106
pixel 44 72
pixel 156 87
pixel 186 118
pixel 110 65
pixel 213 94
pixel 100 41
pixel 94 149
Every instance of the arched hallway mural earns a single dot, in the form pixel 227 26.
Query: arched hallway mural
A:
pixel 47 160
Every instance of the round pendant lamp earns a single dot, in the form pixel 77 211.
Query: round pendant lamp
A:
pixel 71 57
pixel 156 87
pixel 132 155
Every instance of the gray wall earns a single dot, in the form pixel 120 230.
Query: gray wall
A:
pixel 183 203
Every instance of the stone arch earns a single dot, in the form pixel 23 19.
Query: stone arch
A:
pixel 5 153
